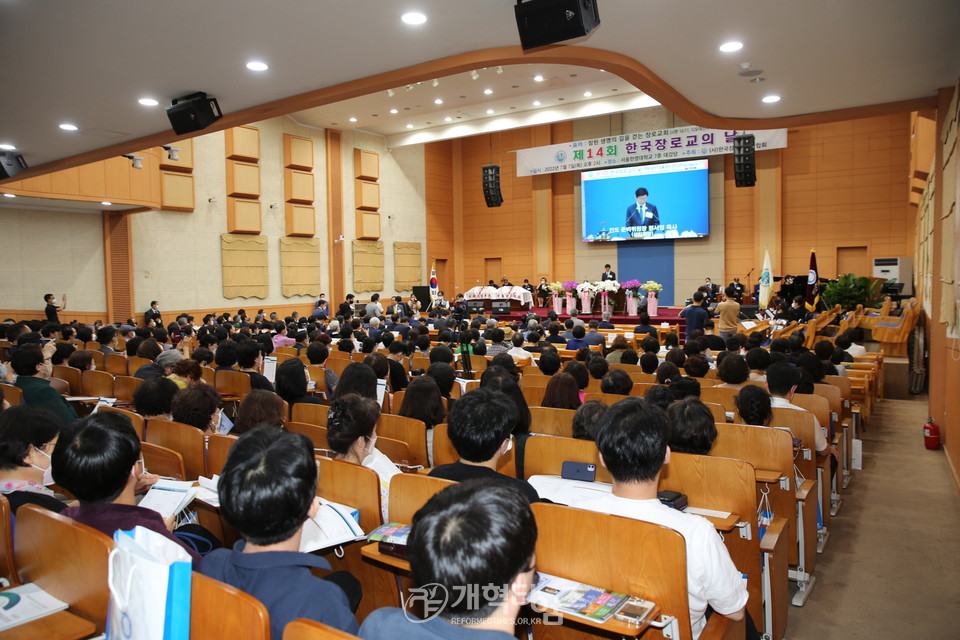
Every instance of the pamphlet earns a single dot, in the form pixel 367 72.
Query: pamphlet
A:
pixel 335 524
pixel 576 599
pixel 170 497
pixel 25 603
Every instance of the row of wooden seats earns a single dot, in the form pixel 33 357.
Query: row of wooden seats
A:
pixel 217 610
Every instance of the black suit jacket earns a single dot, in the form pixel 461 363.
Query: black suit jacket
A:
pixel 636 219
pixel 608 275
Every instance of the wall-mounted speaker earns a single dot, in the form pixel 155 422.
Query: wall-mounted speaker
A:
pixel 543 22
pixel 193 112
pixel 491 185
pixel 11 164
pixel 744 162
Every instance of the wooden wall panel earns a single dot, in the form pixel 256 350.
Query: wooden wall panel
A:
pixel 438 169
pixel 564 210
pixel 118 265
pixel 739 219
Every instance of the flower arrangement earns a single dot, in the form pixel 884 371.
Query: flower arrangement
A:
pixel 650 285
pixel 631 286
pixel 571 286
pixel 587 287
pixel 608 286
pixel 555 287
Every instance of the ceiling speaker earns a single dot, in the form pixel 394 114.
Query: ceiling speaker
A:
pixel 11 164
pixel 193 112
pixel 543 22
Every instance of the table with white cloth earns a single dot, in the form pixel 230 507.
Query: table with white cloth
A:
pixel 518 295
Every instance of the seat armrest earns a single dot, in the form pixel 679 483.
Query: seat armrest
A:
pixel 774 535
pixel 720 627
pixel 805 489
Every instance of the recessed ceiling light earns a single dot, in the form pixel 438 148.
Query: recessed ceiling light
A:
pixel 352 119
pixel 66 126
pixel 587 94
pixel 771 99
pixel 257 65
pixel 487 92
pixel 413 18
pixel 489 112
pixel 536 103
pixel 148 102
pixel 448 119
pixel 730 47
pixel 438 101
pixel 394 111
pixel 409 126
pixel 8 147
pixel 9 195
pixel 538 78
pixel 106 203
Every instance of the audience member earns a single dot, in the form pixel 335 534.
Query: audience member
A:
pixel 586 421
pixel 28 436
pixel 267 491
pixel 734 371
pixel 357 378
pixel 33 369
pixel 562 392
pixel 549 363
pixel 649 363
pixel 260 408
pixel 199 406
pixel 617 347
pixel 683 387
pixel 645 327
pixel 617 382
pixel 291 383
pixel 250 361
pixel 82 360
pixel 693 429
pixel 782 381
pixel 696 366
pixel 758 360
pixel 186 371
pixel 629 357
pixel 659 396
pixel 753 405
pixel 153 398
pixel 666 372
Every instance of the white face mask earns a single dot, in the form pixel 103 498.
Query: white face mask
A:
pixel 509 446
pixel 48 472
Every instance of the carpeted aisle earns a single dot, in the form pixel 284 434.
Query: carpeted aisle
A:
pixel 891 568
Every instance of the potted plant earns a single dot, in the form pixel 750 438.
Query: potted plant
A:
pixel 850 290
pixel 653 290
pixel 631 287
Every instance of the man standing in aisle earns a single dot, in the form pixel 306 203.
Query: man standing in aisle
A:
pixel 695 314
pixel 729 312
pixel 153 314
pixel 51 309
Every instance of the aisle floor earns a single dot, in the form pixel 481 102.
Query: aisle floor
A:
pixel 891 568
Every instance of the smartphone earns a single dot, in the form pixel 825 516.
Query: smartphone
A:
pixel 634 611
pixel 584 471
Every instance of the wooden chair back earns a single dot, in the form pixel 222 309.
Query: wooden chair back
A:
pixel 303 629
pixel 60 385
pixel 723 396
pixel 718 412
pixel 163 461
pixel 409 492
pixel 209 376
pixel 641 388
pixel 124 387
pixel 358 487
pixel 533 395
pixel 310 413
pixel 218 447
pixel 135 419
pixel 337 365
pixel 186 440
pixel 81 582
pixel 283 357
pixel 445 453
pixel 608 399
pixel 552 422
pixel 291 351
pixel 97 383
pixel 652 566
pixel 397 450
pixel 91 345
pixel 629 368
pixel 221 612
pixel 235 384
pixel 409 430
pixel 135 362
pixel 98 359
pixel 818 405
pixel 8 564
pixel 71 375
pixel 841 382
pixel 535 379
pixel 316 433
pixel 833 395
pixel 12 394
pixel 545 455
pixel 115 363
pixel 801 425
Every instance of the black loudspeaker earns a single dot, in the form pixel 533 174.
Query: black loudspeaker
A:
pixel 491 185
pixel 744 163
pixel 543 22
pixel 749 311
pixel 11 164
pixel 475 307
pixel 500 308
pixel 423 295
pixel 193 112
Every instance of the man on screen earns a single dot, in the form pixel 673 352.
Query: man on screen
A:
pixel 642 213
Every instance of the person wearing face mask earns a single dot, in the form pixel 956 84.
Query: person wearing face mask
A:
pixel 28 436
pixel 352 435
pixel 480 426
pixel 51 309
pixel 101 464
pixel 33 366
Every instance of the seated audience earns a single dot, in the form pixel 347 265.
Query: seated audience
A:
pixel 617 348
pixel 734 371
pixel 226 356
pixel 357 378
pixel 479 427
pixel 267 491
pixel 696 366
pixel 644 326
pixel 683 387
pixel 260 408
pixel 203 356
pixel 398 375
pixel 666 372
pixel 549 363
pixel 555 337
pixel 317 354
pixel 82 360
pixel 597 365
pixel 782 381
pixel 62 352
pixel 758 359
pixel 693 429
pixel 250 361
pixel 577 341
pixel 649 363
pixel 633 442
pixel 352 436
pixel 474 533
pixel 445 376
pixel 659 396
pixel 629 357
pixel 186 371
pixel 153 398
pixel 562 392
pixel 162 366
pixel 753 405
pixel 28 436
pixel 198 406
pixel 33 368
pixel 517 351
pixel 617 382
pixel 586 421
pixel 100 463
pixel 581 374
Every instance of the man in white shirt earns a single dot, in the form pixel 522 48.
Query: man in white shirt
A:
pixel 782 381
pixel 518 352
pixel 633 445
